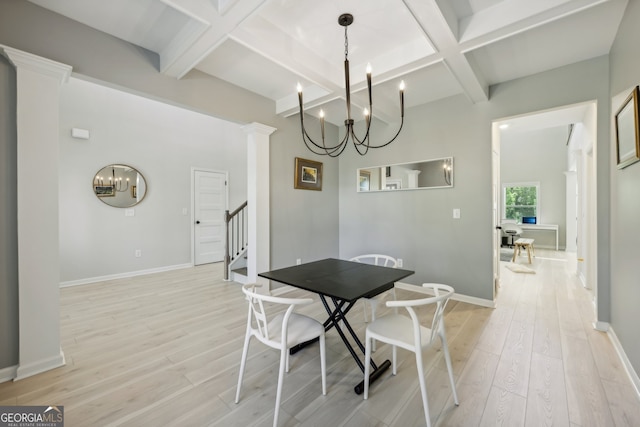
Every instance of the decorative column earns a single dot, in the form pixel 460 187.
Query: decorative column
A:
pixel 38 83
pixel 412 178
pixel 259 242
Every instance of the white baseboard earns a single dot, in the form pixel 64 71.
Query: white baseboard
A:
pixel 582 279
pixel 7 374
pixel 28 370
pixel 123 275
pixel 633 375
pixel 601 326
pixel 474 300
pixel 457 297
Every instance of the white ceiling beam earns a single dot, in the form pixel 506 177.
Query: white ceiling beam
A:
pixel 435 25
pixel 511 17
pixel 220 26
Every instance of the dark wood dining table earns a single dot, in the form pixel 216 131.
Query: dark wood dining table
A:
pixel 342 283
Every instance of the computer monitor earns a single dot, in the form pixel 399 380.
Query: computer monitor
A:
pixel 529 220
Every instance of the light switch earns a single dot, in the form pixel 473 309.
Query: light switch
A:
pixel 184 211
pixel 456 213
pixel 129 212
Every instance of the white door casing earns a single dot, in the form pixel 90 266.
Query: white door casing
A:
pixel 496 206
pixel 209 206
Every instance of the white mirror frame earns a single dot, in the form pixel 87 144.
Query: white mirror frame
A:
pixel 419 175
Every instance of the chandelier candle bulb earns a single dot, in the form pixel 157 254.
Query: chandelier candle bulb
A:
pixel 299 87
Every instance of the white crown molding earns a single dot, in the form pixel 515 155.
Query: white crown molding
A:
pixel 258 128
pixel 28 61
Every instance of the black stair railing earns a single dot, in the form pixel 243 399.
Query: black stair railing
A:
pixel 236 236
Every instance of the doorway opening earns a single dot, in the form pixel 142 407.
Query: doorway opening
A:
pixel 568 198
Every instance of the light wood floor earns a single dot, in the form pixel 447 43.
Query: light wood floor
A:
pixel 164 350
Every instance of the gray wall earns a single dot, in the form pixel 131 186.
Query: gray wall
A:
pixel 8 218
pixel 539 156
pixel 163 143
pixel 418 227
pixel 304 224
pixel 625 199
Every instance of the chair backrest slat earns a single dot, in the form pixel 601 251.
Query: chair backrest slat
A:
pixel 258 315
pixel 256 308
pixel 439 295
pixel 376 259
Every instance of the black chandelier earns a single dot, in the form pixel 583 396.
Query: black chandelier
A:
pixel 361 145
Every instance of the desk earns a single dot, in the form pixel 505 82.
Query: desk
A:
pixel 533 227
pixel 342 282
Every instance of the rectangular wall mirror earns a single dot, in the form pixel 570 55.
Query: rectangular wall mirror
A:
pixel 433 173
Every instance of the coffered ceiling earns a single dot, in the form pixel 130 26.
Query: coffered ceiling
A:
pixel 439 48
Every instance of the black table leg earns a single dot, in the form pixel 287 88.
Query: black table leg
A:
pixel 298 347
pixel 359 389
pixel 339 315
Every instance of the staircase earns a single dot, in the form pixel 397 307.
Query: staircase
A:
pixel 235 259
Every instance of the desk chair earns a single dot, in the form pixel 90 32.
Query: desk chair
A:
pixel 281 331
pixel 511 230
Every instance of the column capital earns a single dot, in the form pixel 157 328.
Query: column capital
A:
pixel 28 61
pixel 259 128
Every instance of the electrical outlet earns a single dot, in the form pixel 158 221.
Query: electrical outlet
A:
pixel 138 253
pixel 298 261
pixel 456 213
pixel 400 262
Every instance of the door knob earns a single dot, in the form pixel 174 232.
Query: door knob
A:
pixel 197 222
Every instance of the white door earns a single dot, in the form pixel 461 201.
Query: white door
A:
pixel 210 203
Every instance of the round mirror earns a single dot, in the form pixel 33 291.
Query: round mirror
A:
pixel 120 186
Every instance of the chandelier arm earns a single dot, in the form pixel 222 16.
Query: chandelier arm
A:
pixel 326 151
pixel 359 145
pixel 345 140
pixel 365 140
pixel 391 140
pixel 305 136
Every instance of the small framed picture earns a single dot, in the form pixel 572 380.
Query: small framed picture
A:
pixel 627 131
pixel 308 175
pixel 104 190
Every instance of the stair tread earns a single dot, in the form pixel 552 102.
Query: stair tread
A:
pixel 242 270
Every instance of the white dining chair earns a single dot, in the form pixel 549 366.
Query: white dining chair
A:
pixel 384 261
pixel 281 331
pixel 407 332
